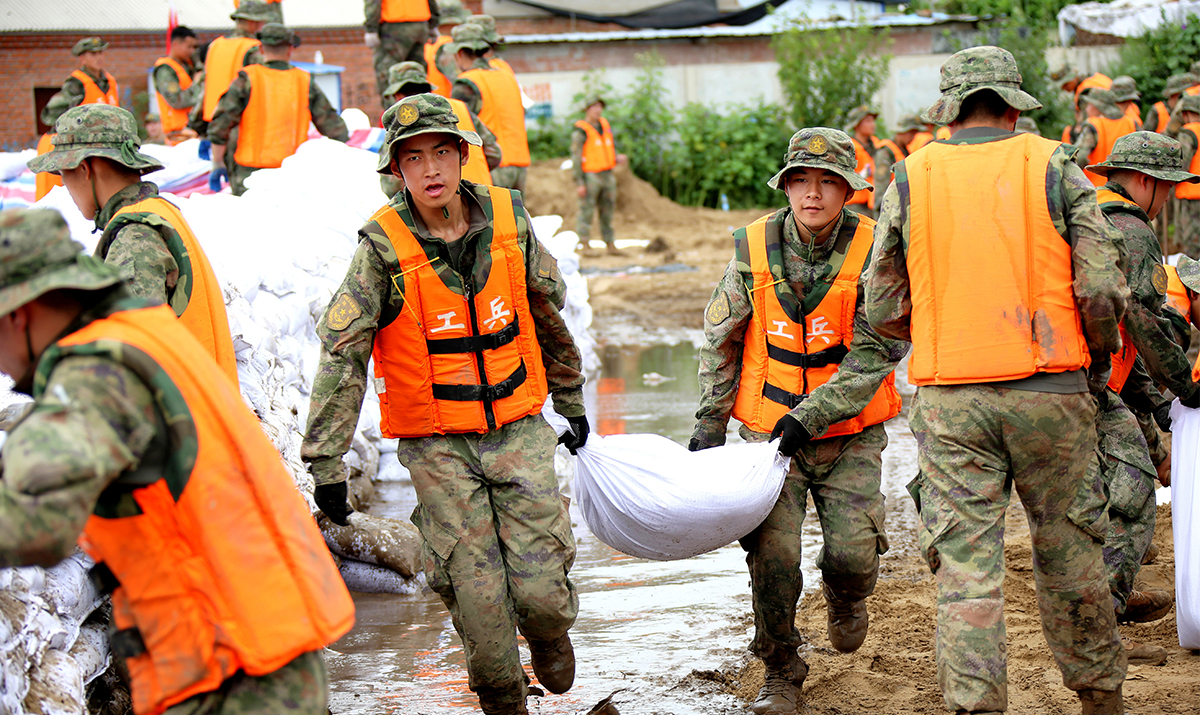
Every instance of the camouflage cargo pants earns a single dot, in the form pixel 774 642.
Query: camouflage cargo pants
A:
pixel 510 177
pixel 842 475
pixel 1187 227
pixel 298 688
pixel 1124 464
pixel 497 544
pixel 602 195
pixel 398 42
pixel 974 442
pixel 237 178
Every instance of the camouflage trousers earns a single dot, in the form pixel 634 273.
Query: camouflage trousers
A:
pixel 974 442
pixel 510 177
pixel 1187 227
pixel 1124 464
pixel 299 688
pixel 237 178
pixel 842 475
pixel 497 544
pixel 398 42
pixel 601 194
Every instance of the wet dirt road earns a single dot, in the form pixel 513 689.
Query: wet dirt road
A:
pixel 643 626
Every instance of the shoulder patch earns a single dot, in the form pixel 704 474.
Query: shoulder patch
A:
pixel 718 310
pixel 548 266
pixel 1159 278
pixel 343 312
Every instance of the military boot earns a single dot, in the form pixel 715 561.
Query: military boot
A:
pixel 553 663
pixel 780 695
pixel 1102 702
pixel 1151 555
pixel 503 707
pixel 847 621
pixel 1143 653
pixel 1146 606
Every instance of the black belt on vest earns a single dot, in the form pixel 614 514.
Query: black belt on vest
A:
pixel 789 400
pixel 828 356
pixel 474 343
pixel 482 393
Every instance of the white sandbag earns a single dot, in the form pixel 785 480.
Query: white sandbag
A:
pixel 1185 521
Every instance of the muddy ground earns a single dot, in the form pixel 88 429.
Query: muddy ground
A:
pixel 894 671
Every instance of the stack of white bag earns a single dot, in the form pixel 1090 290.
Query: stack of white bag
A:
pixel 1185 521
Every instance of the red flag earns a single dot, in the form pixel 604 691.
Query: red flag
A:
pixel 172 23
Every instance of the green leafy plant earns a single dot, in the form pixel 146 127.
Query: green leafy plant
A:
pixel 550 138
pixel 644 122
pixel 1150 59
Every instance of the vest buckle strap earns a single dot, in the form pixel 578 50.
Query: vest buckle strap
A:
pixel 789 400
pixel 482 393
pixel 475 343
pixel 127 643
pixel 103 578
pixel 828 356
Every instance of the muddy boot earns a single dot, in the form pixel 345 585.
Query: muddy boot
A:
pixel 780 695
pixel 1151 555
pixel 1102 702
pixel 847 621
pixel 1146 606
pixel 1143 653
pixel 553 663
pixel 497 706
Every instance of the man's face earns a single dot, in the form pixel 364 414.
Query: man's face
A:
pixel 1173 100
pixel 816 196
pixel 867 126
pixel 92 60
pixel 14 356
pixel 1162 191
pixel 79 185
pixel 905 138
pixel 431 166
pixel 184 47
pixel 594 111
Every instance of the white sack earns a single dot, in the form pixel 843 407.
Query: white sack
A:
pixel 1185 520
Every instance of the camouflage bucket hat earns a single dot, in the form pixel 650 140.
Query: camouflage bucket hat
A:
pixel 469 36
pixel 1194 70
pixel 856 115
pixel 1150 153
pixel 253 10
pixel 407 74
pixel 1105 101
pixel 37 256
pixel 1124 89
pixel 89 44
pixel 1028 126
pixel 974 70
pixel 1189 103
pixel 591 99
pixel 910 123
pixel 1178 83
pixel 273 34
pixel 419 114
pixel 488 23
pixel 1189 273
pixel 452 12
pixel 94 130
pixel 822 148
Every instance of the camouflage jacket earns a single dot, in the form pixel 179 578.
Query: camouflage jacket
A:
pixel 166 82
pixel 445 62
pixel 229 110
pixel 578 139
pixel 139 249
pixel 69 96
pixel 465 90
pixel 1146 322
pixel 884 159
pixel 1097 252
pixel 341 379
pixel 373 15
pixel 809 270
pixel 1085 142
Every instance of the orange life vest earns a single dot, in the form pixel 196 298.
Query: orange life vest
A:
pixel 451 363
pixel 1162 115
pixel 1066 135
pixel 1122 361
pixel 92 94
pixel 173 119
pixel 1177 297
pixel 943 133
pixel 440 82
pixel 1107 133
pixel 217 564
pixel 204 310
pixel 919 140
pixel 599 150
pixel 502 112
pixel 498 64
pixel 897 152
pixel 275 121
pixel 476 170
pixel 405 11
pixel 980 272
pixel 1183 190
pixel 866 169
pixel 1194 89
pixel 226 57
pixel 1096 81
pixel 785 359
pixel 1134 112
pixel 44 181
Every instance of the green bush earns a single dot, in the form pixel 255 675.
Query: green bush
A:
pixel 1153 57
pixel 644 123
pixel 550 138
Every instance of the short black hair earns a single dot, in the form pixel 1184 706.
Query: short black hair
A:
pixel 984 104
pixel 181 32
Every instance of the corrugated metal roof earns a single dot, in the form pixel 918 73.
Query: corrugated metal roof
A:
pixel 100 16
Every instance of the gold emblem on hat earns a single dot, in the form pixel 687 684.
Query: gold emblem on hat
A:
pixel 818 145
pixel 408 114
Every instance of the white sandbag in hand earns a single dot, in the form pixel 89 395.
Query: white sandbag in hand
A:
pixel 1185 521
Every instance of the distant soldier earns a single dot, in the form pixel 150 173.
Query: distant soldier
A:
pixel 494 40
pixel 593 158
pixel 1176 85
pixel 1105 124
pixel 496 97
pixel 176 86
pixel 1124 89
pixel 1187 196
pixel 860 125
pixel 892 150
pixel 154 131
pixel 396 31
pixel 1079 85
pixel 271 105
pixel 228 54
pixel 439 64
pixel 1028 126
pixel 923 136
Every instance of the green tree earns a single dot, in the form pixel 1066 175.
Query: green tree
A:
pixel 644 123
pixel 1161 52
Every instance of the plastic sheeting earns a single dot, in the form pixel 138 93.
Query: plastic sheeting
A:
pixel 1123 18
pixel 1185 520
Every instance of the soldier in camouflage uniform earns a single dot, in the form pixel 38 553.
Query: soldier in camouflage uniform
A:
pixel 277 42
pixel 395 42
pixel 811 239
pixel 407 79
pixel 166 82
pixel 94 422
pixel 1187 211
pixel 90 51
pixel 1126 95
pixel 978 433
pixel 497 536
pixel 906 129
pixel 451 13
pixel 596 189
pixel 468 49
pixel 1102 102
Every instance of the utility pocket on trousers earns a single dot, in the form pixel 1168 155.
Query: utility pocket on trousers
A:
pixel 1089 509
pixel 437 543
pixel 926 539
pixel 561 531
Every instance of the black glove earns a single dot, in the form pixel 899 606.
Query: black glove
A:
pixel 575 437
pixel 332 499
pixel 696 444
pixel 1192 402
pixel 1162 416
pixel 792 435
pixel 1098 375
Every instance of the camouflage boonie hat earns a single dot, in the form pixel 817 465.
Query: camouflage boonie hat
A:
pixel 407 74
pixel 1103 100
pixel 1150 153
pixel 1064 75
pixel 37 256
pixel 822 148
pixel 1194 70
pixel 419 114
pixel 591 99
pixel 1189 273
pixel 1189 103
pixel 1179 83
pixel 1124 89
pixel 451 12
pixel 468 35
pixel 273 34
pixel 89 44
pixel 1028 126
pixel 94 130
pixel 974 70
pixel 856 115
pixel 910 123
pixel 488 23
pixel 253 10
